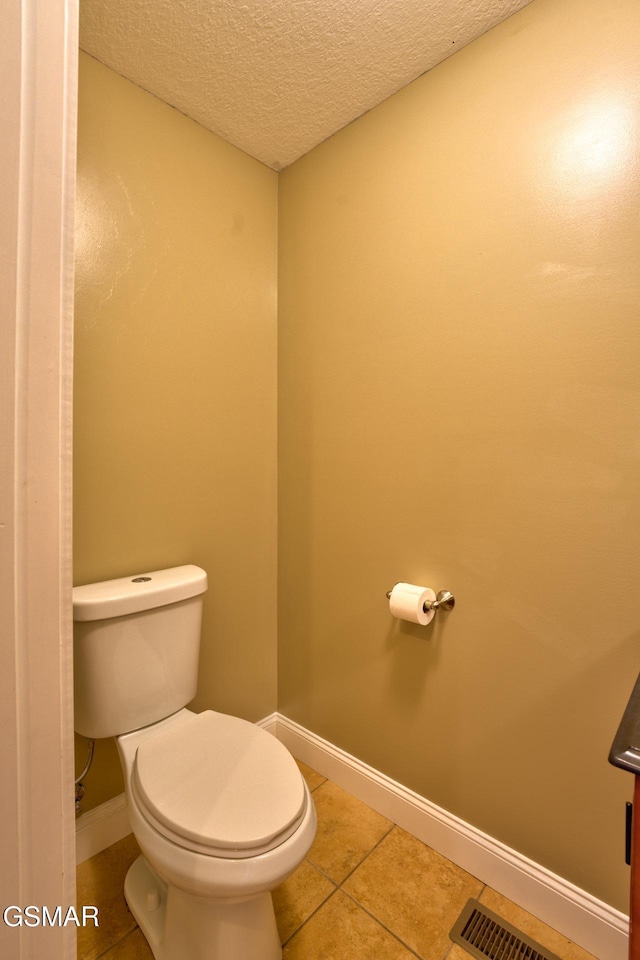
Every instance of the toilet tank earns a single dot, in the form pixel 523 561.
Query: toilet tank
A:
pixel 136 646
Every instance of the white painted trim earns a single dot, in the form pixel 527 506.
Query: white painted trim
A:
pixel 38 77
pixel 97 829
pixel 270 723
pixel 578 915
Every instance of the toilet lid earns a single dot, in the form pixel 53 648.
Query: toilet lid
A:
pixel 219 781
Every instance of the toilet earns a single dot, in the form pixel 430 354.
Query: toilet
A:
pixel 218 806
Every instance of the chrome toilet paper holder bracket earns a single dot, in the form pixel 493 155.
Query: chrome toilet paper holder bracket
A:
pixel 444 600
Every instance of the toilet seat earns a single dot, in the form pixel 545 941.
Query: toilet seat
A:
pixel 218 785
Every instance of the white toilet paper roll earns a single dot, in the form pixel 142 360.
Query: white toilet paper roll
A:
pixel 407 602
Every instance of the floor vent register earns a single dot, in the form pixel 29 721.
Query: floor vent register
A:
pixel 487 936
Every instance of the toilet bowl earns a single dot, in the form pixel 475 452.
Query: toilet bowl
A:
pixel 239 821
pixel 218 806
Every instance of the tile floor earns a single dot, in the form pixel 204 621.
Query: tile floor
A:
pixel 367 891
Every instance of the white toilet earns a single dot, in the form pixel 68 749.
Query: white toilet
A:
pixel 217 805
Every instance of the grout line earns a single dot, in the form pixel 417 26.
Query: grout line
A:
pixel 325 875
pixel 449 949
pixel 367 855
pixel 111 946
pixel 317 786
pixel 338 886
pixel 383 925
pixel 338 883
pixel 312 914
pixel 447 953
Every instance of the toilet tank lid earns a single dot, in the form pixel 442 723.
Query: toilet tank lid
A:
pixel 140 591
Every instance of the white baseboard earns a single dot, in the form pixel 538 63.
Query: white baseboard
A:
pixel 97 829
pixel 592 924
pixel 579 916
pixel 270 723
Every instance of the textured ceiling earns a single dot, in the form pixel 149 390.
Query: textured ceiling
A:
pixel 276 77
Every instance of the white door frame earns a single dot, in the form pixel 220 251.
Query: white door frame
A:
pixel 38 80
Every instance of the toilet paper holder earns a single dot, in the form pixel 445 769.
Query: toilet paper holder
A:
pixel 444 600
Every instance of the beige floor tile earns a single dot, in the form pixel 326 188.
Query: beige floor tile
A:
pixel 457 953
pixel 100 883
pixel 347 831
pixel 132 947
pixel 409 895
pixel 313 778
pixel 340 930
pixel 296 899
pixel 532 927
pixel 413 891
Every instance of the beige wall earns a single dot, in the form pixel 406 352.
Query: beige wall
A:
pixel 459 406
pixel 458 401
pixel 175 387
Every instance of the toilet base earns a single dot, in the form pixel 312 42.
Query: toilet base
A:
pixel 177 925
